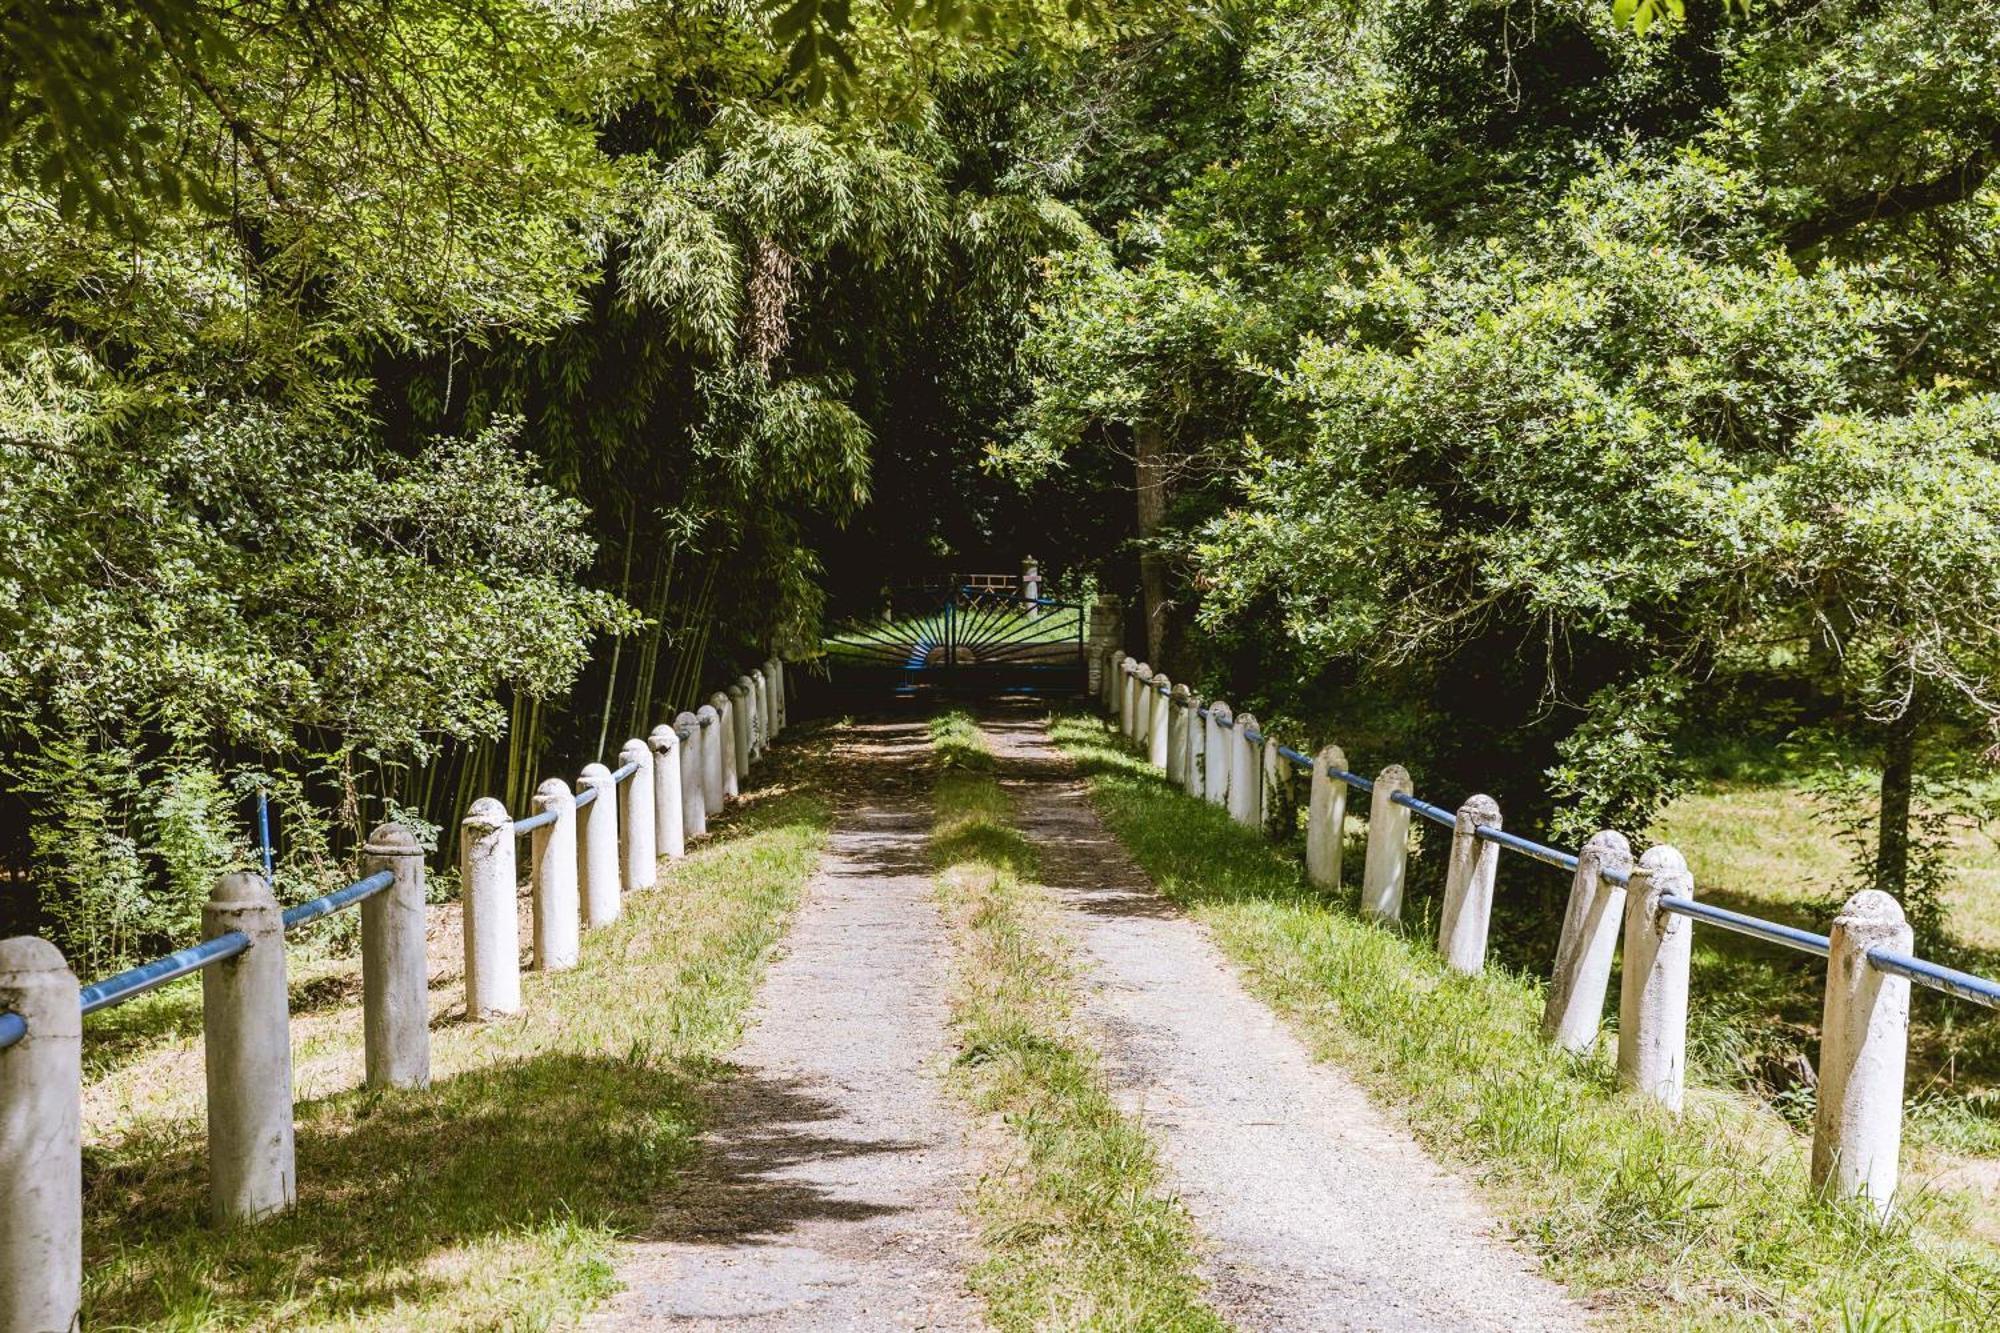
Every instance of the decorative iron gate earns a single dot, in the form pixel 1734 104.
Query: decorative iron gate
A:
pixel 974 631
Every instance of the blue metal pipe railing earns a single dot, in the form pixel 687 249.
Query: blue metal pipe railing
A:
pixel 1791 937
pixel 1437 814
pixel 151 976
pixel 328 904
pixel 584 798
pixel 533 822
pixel 624 771
pixel 1935 976
pixel 13 1027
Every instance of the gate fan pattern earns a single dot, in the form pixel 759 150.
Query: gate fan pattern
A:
pixel 967 626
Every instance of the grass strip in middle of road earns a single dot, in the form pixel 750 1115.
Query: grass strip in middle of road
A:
pixel 1080 1228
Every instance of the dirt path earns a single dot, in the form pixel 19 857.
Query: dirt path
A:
pixel 834 1187
pixel 1321 1212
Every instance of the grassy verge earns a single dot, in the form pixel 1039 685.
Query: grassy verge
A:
pixel 1080 1231
pixel 1704 1220
pixel 495 1198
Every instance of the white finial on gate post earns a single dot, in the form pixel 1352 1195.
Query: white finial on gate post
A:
pixel 1031 585
pixel 41 1140
pixel 1864 1043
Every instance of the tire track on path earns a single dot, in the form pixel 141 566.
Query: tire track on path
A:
pixel 833 1188
pixel 1319 1211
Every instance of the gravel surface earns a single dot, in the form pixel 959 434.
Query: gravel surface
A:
pixel 1320 1211
pixel 834 1188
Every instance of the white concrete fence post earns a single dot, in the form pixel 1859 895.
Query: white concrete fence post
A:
pixel 1128 706
pixel 395 981
pixel 492 928
pixel 1159 736
pixel 727 745
pixel 760 712
pixel 1865 1038
pixel 694 779
pixel 639 848
pixel 552 875
pixel 1468 887
pixel 1279 812
pixel 745 701
pixel 1326 819
pixel 1110 681
pixel 1177 736
pixel 1218 749
pixel 1143 699
pixel 1193 779
pixel 246 1031
pixel 1246 774
pixel 1387 863
pixel 669 803
pixel 783 701
pixel 41 1141
pixel 1591 923
pixel 597 850
pixel 710 718
pixel 1653 981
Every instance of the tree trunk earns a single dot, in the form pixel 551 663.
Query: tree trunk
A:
pixel 1892 844
pixel 1150 456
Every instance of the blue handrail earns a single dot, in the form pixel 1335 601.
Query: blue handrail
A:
pixel 588 795
pixel 328 904
pixel 624 771
pixel 1935 976
pixel 533 822
pixel 1939 978
pixel 1754 926
pixel 1437 814
pixel 150 976
pixel 13 1027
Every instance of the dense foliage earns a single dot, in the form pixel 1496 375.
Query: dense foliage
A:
pixel 1557 384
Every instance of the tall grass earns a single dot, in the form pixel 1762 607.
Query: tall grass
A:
pixel 1702 1220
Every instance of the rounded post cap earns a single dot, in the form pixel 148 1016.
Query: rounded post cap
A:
pixel 1182 692
pixel 31 953
pixel 707 710
pixel 1246 722
pixel 1330 756
pixel 1662 870
pixel 1607 848
pixel 1218 713
pixel 1478 812
pixel 664 739
pixel 1871 912
pixel 242 888
pixel 593 774
pixel 635 751
pixel 1160 678
pixel 738 691
pixel 1394 778
pixel 487 814
pixel 392 839
pixel 718 701
pixel 551 791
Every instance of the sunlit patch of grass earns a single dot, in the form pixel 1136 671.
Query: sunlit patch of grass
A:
pixel 496 1197
pixel 1700 1220
pixel 1081 1232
